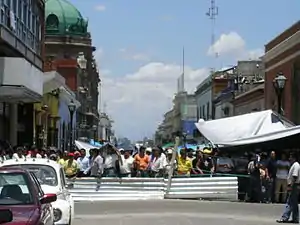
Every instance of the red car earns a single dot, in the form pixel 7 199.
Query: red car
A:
pixel 20 192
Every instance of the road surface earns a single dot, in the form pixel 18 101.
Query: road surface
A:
pixel 175 212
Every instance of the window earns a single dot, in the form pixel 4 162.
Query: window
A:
pixel 207 110
pixel 20 6
pixel 14 6
pixel 45 174
pixel 15 189
pixel 52 22
pixel 37 184
pixel 203 112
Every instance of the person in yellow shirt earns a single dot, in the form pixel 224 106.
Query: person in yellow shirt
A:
pixel 62 158
pixel 184 163
pixel 71 167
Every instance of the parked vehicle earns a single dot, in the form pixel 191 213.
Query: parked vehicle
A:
pixel 21 192
pixel 52 178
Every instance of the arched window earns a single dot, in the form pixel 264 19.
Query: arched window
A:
pixel 52 22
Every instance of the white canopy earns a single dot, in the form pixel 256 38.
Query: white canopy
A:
pixel 83 145
pixel 246 129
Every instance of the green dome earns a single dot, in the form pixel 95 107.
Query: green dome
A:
pixel 62 18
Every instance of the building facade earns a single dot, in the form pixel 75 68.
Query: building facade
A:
pixel 69 51
pixel 282 54
pixel 21 60
pixel 250 100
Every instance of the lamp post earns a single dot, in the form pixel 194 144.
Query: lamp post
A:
pixel 72 108
pixel 95 132
pixel 279 84
pixel 184 139
pixel 82 90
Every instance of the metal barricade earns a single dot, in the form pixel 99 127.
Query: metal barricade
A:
pixel 106 189
pixel 220 188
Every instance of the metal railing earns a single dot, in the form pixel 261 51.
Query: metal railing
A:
pixel 106 188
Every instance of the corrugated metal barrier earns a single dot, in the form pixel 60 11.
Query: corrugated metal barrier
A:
pixel 93 189
pixel 221 188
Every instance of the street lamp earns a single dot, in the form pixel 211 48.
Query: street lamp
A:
pixel 279 84
pixel 72 108
pixel 95 132
pixel 81 61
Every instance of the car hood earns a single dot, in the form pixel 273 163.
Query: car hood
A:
pixel 21 214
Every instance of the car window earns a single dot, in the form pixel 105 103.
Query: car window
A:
pixel 62 177
pixel 14 189
pixel 38 185
pixel 45 174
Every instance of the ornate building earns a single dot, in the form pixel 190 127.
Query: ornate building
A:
pixel 69 51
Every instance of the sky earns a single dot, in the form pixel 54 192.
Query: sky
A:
pixel 139 49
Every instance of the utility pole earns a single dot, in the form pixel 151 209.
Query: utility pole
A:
pixel 212 13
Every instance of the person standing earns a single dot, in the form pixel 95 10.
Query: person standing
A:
pixel 293 181
pixel 83 163
pixel 127 164
pixel 283 166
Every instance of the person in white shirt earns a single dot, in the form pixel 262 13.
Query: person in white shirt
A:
pixel 18 154
pixel 293 182
pixel 157 163
pixel 111 159
pixel 96 164
pixel 168 164
pixel 84 163
pixel 127 164
pixel 282 166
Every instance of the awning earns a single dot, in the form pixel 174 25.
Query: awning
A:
pixel 265 137
pixel 13 94
pixel 67 96
pixel 52 81
pixel 246 129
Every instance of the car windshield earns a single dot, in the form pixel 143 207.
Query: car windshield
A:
pixel 46 175
pixel 14 189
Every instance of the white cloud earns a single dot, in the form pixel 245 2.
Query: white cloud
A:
pixel 138 101
pixel 233 45
pixel 100 8
pixel 129 54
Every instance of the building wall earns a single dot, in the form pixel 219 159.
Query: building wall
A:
pixel 219 109
pixel 283 55
pixel 250 106
pixel 204 104
pixel 249 102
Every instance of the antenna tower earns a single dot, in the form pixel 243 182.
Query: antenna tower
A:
pixel 212 13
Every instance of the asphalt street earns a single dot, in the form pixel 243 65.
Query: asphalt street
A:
pixel 175 212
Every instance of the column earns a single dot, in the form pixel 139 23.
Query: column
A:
pixel 13 124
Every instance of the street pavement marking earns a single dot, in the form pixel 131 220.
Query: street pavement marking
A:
pixel 160 215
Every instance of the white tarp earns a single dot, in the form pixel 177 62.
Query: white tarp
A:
pixel 83 145
pixel 246 129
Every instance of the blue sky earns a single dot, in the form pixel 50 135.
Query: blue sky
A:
pixel 140 44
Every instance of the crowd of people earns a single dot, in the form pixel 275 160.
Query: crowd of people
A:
pixel 266 181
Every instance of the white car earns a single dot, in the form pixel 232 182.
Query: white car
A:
pixel 53 180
